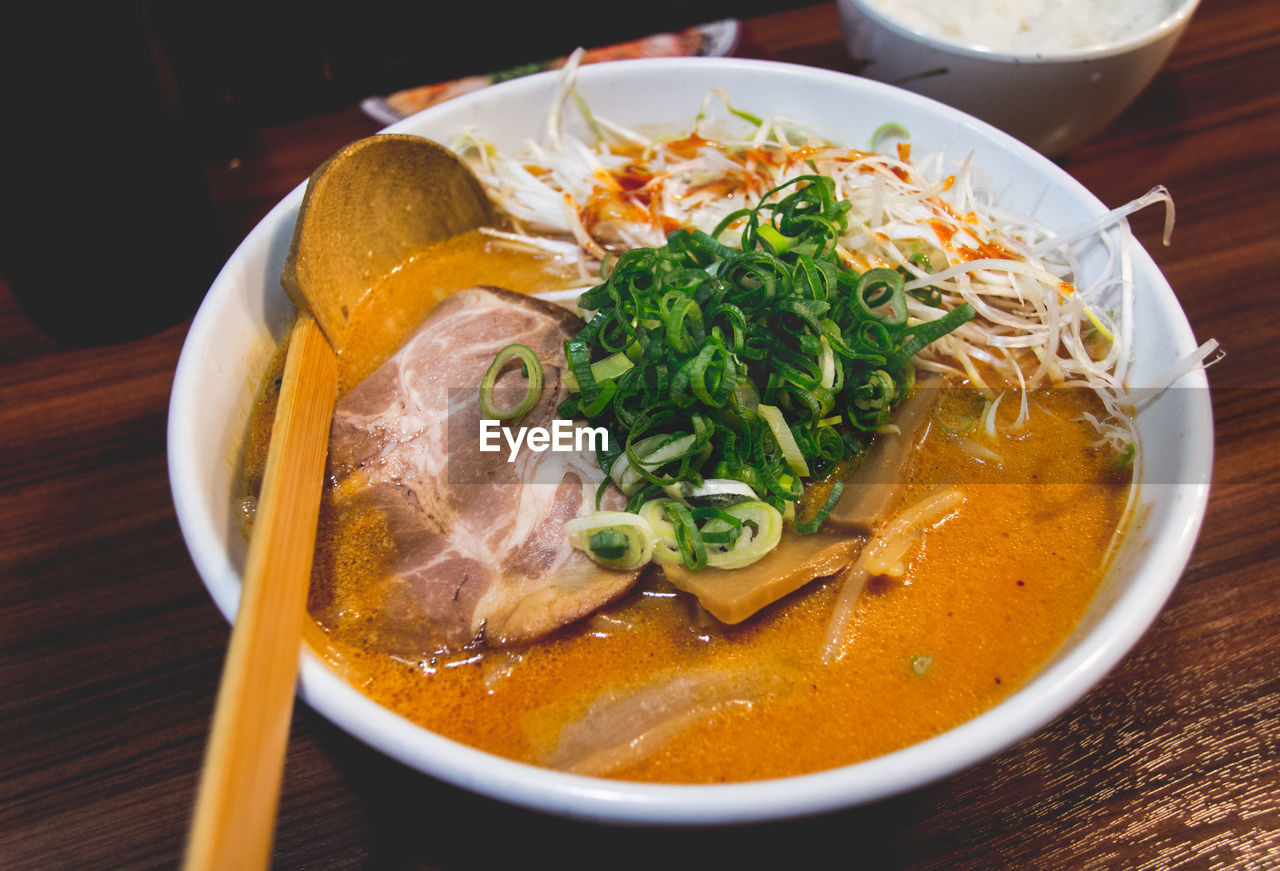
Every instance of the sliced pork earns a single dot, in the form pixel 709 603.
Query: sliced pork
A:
pixel 480 545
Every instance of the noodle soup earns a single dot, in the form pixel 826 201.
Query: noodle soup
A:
pixel 990 592
pixel 246 314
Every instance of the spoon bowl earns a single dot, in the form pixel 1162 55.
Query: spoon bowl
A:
pixel 367 209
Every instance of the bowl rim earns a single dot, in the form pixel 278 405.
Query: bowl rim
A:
pixel 1021 714
pixel 1170 24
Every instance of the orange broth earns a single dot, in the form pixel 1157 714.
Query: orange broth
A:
pixel 988 596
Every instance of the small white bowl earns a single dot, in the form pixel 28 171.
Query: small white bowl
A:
pixel 246 313
pixel 1051 100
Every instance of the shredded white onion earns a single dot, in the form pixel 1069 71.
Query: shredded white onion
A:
pixel 1035 327
pixel 883 555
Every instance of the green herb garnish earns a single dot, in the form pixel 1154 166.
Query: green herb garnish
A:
pixel 765 364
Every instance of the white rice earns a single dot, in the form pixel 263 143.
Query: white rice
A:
pixel 1028 26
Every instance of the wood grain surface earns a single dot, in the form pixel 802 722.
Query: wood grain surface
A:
pixel 111 649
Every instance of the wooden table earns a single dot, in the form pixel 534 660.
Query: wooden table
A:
pixel 112 649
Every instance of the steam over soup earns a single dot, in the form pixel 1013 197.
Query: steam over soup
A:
pixel 938 534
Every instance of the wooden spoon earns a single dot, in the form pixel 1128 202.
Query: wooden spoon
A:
pixel 366 210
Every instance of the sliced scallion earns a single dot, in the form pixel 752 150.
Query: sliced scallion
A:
pixel 615 539
pixel 533 386
pixel 762 530
pixel 606 370
pixel 786 440
pixel 762 365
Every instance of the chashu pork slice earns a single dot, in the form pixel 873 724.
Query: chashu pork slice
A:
pixel 481 550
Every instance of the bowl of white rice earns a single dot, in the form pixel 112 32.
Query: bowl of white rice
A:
pixel 1052 73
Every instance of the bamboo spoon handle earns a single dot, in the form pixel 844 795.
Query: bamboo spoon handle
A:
pixel 235 810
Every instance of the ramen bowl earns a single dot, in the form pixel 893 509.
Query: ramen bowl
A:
pixel 246 314
pixel 1052 99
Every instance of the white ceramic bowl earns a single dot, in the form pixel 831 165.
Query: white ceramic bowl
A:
pixel 246 313
pixel 1050 100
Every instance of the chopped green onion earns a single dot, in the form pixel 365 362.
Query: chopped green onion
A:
pixel 960 418
pixel 719 527
pixel 885 131
pixel 713 491
pixel 608 544
pixel 614 539
pixel 533 387
pixel 1125 457
pixel 666 549
pixel 786 440
pixel 777 242
pixel 762 530
pixel 762 366
pixel 578 356
pixel 606 370
pixel 693 550
pixel 811 525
